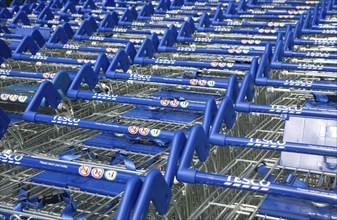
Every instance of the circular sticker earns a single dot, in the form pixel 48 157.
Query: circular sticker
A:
pixel 221 65
pixel 211 83
pixel 214 64
pixel 13 98
pixel 84 170
pixel 245 50
pixel 22 98
pixel 257 41
pixel 133 129
pixel 109 49
pixel 230 64
pixel 155 132
pixel 79 60
pixel 4 96
pixel 110 175
pixel 174 103
pixel 193 82
pixel 86 61
pixel 260 30
pixel 164 102
pixel 52 75
pixel 231 50
pixel 97 172
pixel 46 75
pixel 244 41
pixel 184 104
pixel 251 41
pixel 144 131
pixel 202 82
pixel 238 50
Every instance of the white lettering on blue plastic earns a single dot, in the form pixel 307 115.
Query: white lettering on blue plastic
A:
pixel 65 120
pixel 266 143
pixel 140 77
pixel 286 109
pixel 187 7
pixel 98 38
pixel 156 18
pixel 261 185
pixel 120 29
pixel 104 96
pixel 329 31
pixel 317 54
pixel 298 83
pixel 186 48
pixel 70 46
pixel 5 72
pixel 135 23
pixel 246 16
pixel 53 22
pixel 200 3
pixel 203 39
pixel 222 29
pixel 235 23
pixel 38 57
pixel 10 158
pixel 305 66
pixel 325 42
pixel 165 61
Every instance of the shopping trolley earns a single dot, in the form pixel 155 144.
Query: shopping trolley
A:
pixel 58 173
pixel 318 76
pixel 190 175
pixel 263 21
pixel 87 32
pixel 325 14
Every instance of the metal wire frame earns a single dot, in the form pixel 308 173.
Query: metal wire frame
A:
pixel 236 204
pixel 14 178
pixel 237 36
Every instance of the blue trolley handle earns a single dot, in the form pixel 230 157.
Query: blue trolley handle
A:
pixel 190 175
pixel 155 188
pixel 60 166
pixel 278 57
pixel 49 92
pixel 87 75
pixel 227 113
pixel 146 52
pixel 122 61
pixel 243 106
pixel 262 75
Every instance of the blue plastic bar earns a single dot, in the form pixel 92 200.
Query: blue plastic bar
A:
pixel 265 187
pixel 168 80
pixel 58 166
pixel 108 40
pixel 243 106
pixel 226 140
pixel 188 174
pixel 138 101
pixel 18 73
